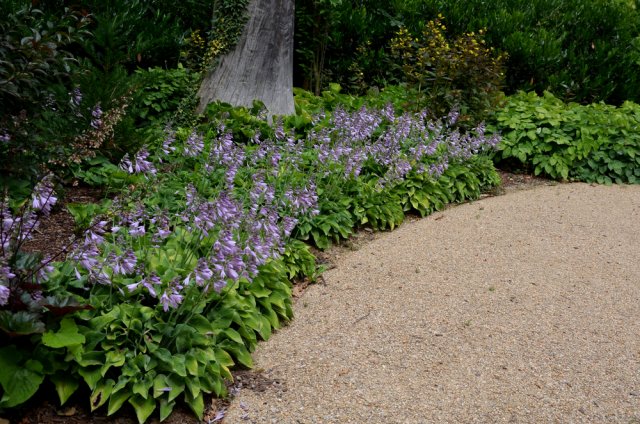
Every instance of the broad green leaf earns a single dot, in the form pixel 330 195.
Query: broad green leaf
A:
pixel 191 364
pixel 143 407
pixel 233 335
pixel 21 323
pixel 101 393
pixel 142 386
pixel 116 400
pixel 67 335
pixel 66 385
pixel 23 384
pixel 91 376
pixel 177 386
pixel 193 384
pixel 161 386
pixel 166 408
pixel 196 404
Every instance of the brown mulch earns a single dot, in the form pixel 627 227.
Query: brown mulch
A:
pixel 56 232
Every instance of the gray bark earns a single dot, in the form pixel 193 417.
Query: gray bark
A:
pixel 261 64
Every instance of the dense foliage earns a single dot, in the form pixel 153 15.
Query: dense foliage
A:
pixel 72 86
pixel 172 280
pixel 462 73
pixel 595 143
pixel 579 50
pixel 177 278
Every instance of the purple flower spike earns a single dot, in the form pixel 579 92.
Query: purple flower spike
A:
pixel 6 274
pixel 141 164
pixel 136 229
pixel 75 97
pixel 171 298
pixel 5 292
pixel 169 139
pixel 123 264
pixel 43 196
pixel 96 114
pixel 194 145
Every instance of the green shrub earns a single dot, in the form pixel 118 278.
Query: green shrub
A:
pixel 461 73
pixel 346 42
pixel 594 143
pixel 37 66
pixel 580 50
pixel 165 95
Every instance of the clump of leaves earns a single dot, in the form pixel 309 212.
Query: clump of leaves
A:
pixel 595 143
pixel 463 72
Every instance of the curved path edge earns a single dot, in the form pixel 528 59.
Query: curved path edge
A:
pixel 518 308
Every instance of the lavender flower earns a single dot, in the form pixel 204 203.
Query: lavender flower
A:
pixel 4 136
pixel 44 270
pixel 136 229
pixel 171 297
pixel 168 141
pixel 95 234
pixel 194 145
pixel 141 164
pixel 5 292
pixel 6 274
pixel 452 118
pixel 220 414
pixel 75 97
pixel 126 164
pixel 123 264
pixel 150 283
pixel 96 114
pixel 43 195
pixel 202 272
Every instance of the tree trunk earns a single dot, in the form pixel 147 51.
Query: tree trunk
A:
pixel 261 64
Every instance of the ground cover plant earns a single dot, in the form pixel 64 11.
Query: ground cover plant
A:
pixel 188 267
pixel 173 279
pixel 593 143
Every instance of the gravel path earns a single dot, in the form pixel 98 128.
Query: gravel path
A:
pixel 519 308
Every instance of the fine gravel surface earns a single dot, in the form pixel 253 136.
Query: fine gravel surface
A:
pixel 520 308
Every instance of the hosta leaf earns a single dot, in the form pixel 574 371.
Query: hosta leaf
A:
pixel 91 376
pixel 191 364
pixel 177 386
pixel 142 386
pixel 65 386
pixel 20 323
pixel 143 407
pixel 166 408
pixel 239 352
pixel 23 384
pixel 193 384
pixel 223 358
pixel 196 404
pixel 233 335
pixel 201 324
pixel 116 400
pixel 101 393
pixel 67 335
pixel 178 363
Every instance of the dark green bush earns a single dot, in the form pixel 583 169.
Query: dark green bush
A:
pixel 594 143
pixel 580 50
pixel 461 73
pixel 346 42
pixel 36 70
